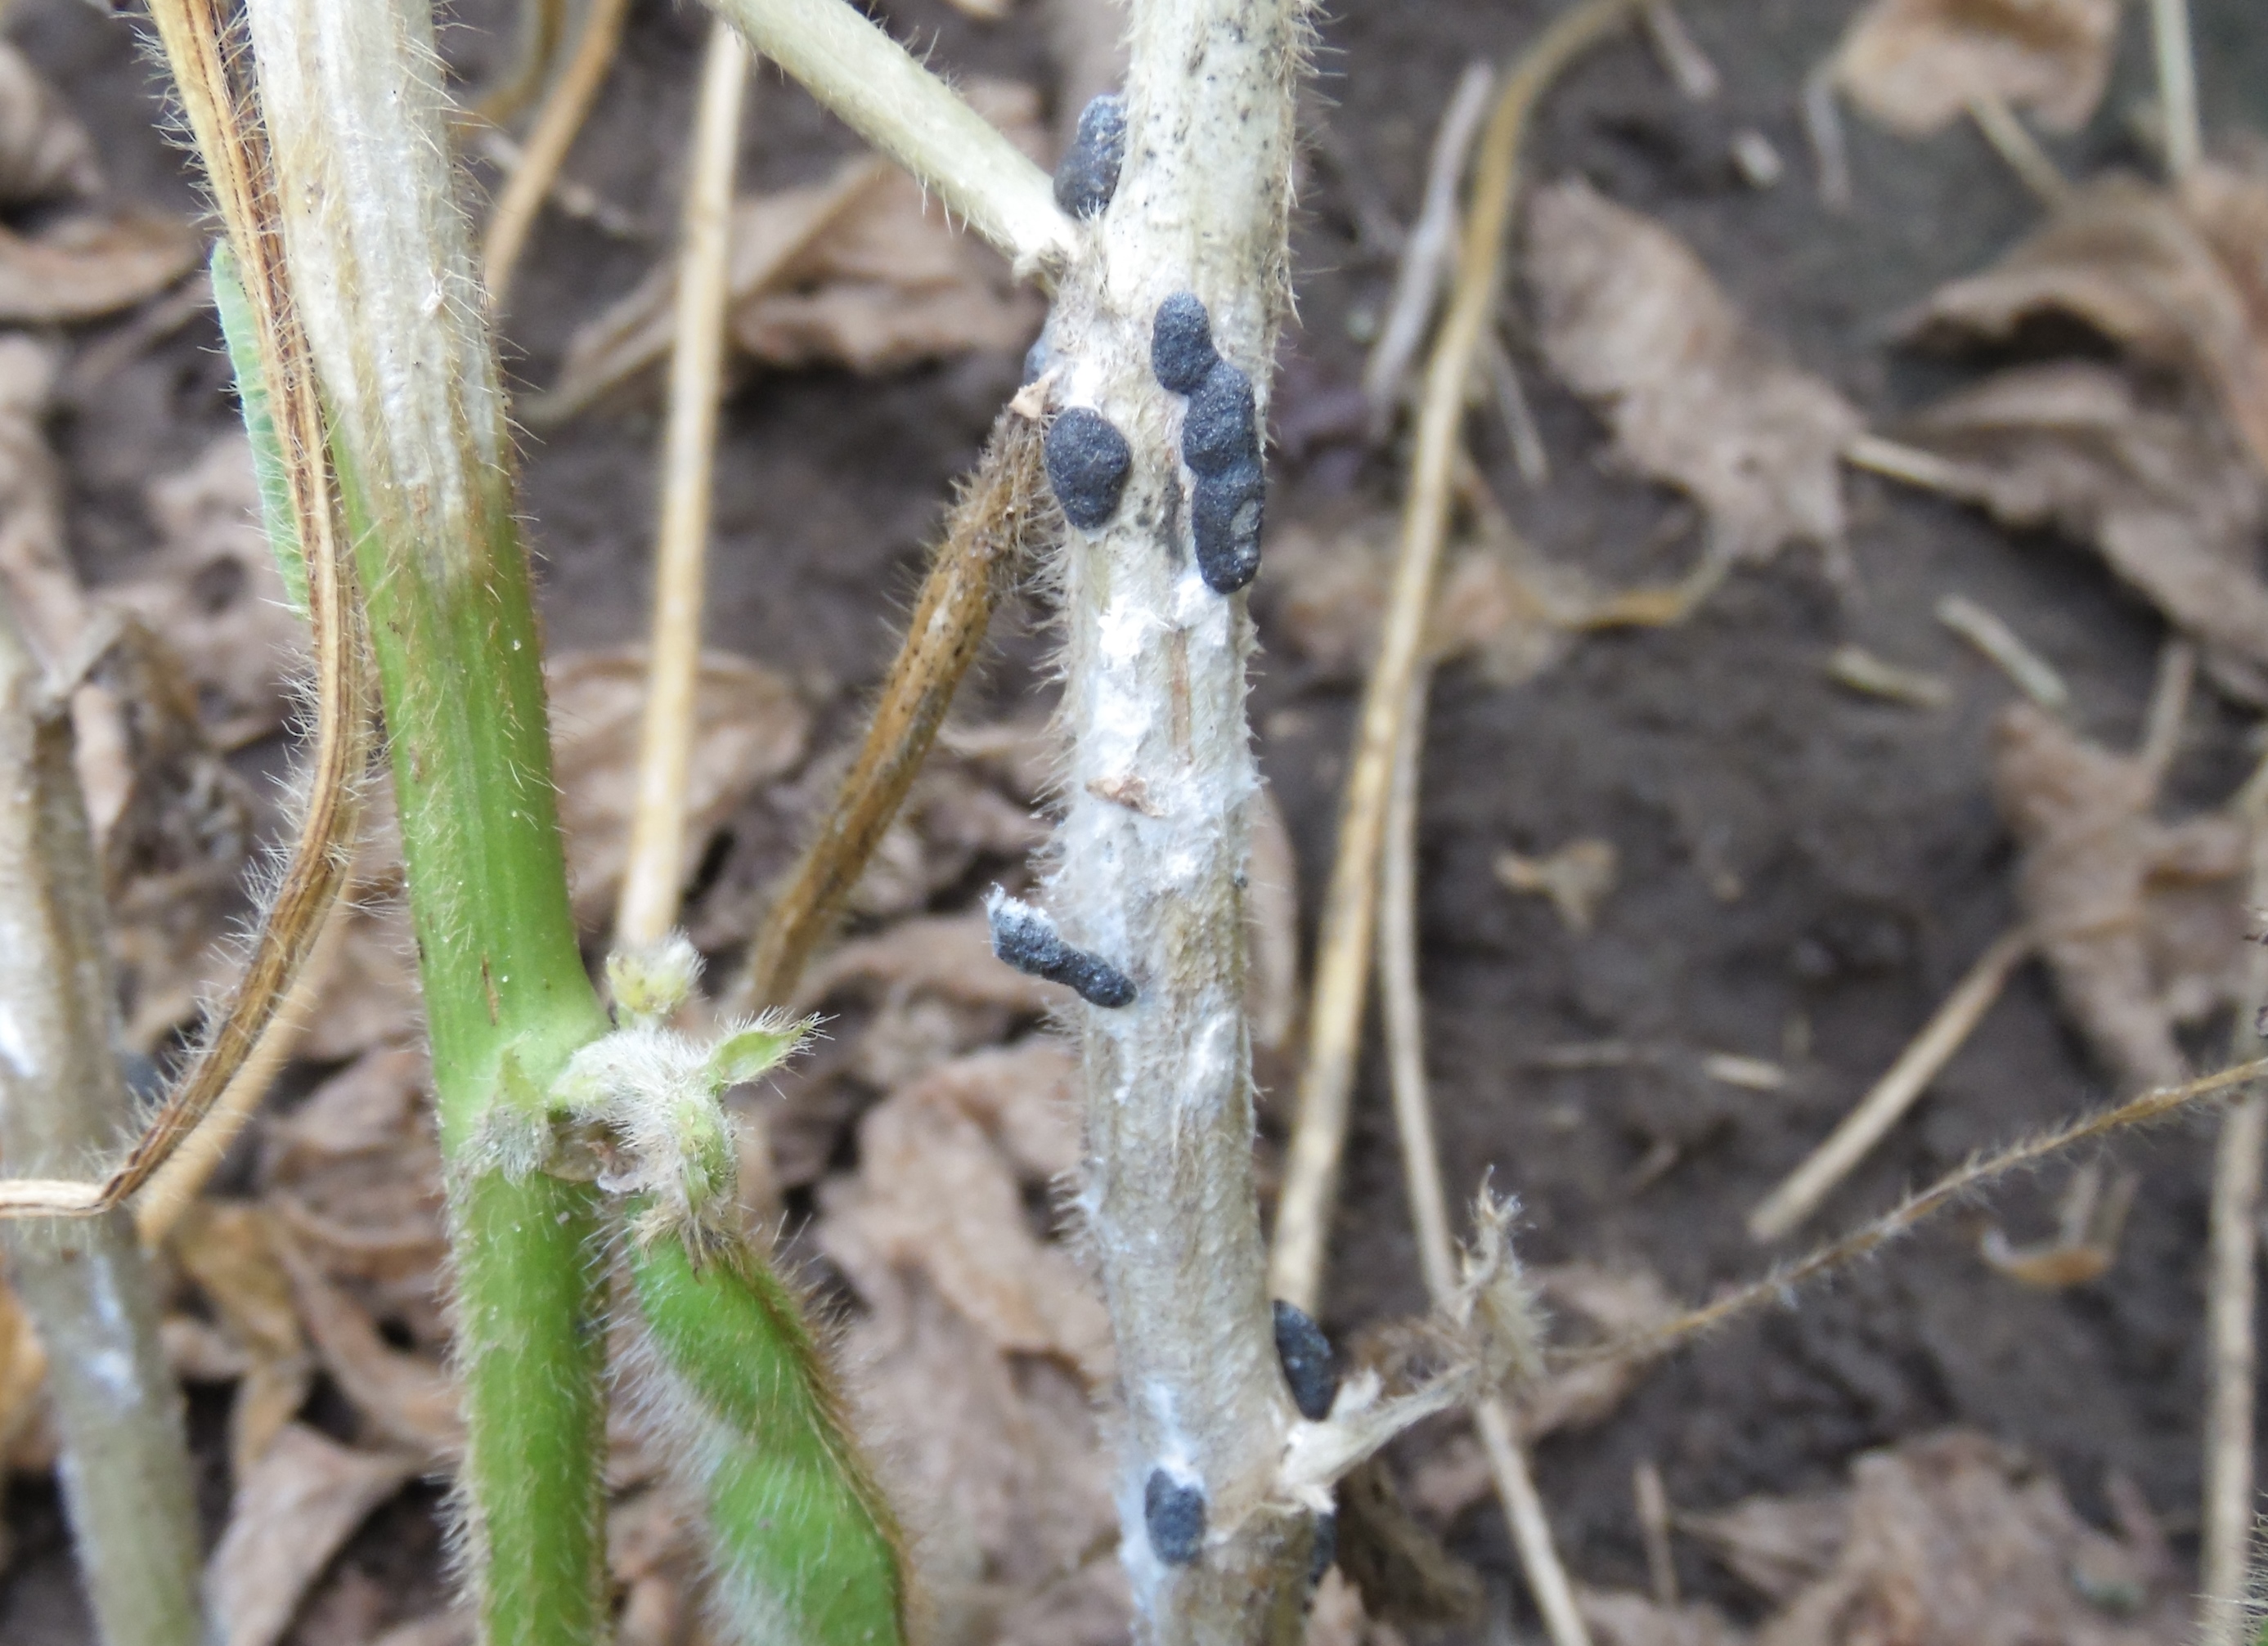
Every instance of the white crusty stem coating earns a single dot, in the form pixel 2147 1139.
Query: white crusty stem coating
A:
pixel 1152 856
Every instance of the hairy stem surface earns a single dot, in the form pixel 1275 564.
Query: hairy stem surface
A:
pixel 381 268
pixel 62 1100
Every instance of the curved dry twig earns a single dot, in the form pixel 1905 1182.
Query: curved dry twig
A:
pixel 237 164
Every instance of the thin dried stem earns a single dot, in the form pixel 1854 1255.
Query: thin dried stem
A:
pixel 874 86
pixel 542 23
pixel 557 124
pixel 1002 518
pixel 2230 1514
pixel 1343 956
pixel 1680 54
pixel 63 1096
pixel 1782 1283
pixel 655 874
pixel 1429 255
pixel 1403 1007
pixel 239 168
pixel 1945 1033
pixel 2177 98
pixel 2013 140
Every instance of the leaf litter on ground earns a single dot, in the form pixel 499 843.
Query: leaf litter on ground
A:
pixel 1915 65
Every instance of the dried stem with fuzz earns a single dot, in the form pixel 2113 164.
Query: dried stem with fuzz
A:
pixel 237 166
pixel 557 124
pixel 63 1099
pixel 1002 519
pixel 656 870
pixel 1343 950
pixel 1403 1007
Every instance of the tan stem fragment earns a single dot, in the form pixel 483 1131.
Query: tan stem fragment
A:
pixel 2177 98
pixel 1344 952
pixel 1403 1009
pixel 1001 519
pixel 557 124
pixel 655 873
pixel 1949 1028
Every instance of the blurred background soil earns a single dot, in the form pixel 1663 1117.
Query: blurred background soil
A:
pixel 1804 872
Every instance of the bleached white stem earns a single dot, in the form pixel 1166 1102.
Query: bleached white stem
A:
pixel 874 86
pixel 2170 42
pixel 1152 851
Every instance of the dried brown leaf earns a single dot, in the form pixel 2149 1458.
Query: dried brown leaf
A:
pixel 23 1372
pixel 293 1512
pixel 937 1191
pixel 1777 1546
pixel 1954 1540
pixel 86 266
pixel 946 955
pixel 228 1248
pixel 2173 505
pixel 213 590
pixel 2094 881
pixel 408 1399
pixel 2175 278
pixel 1915 65
pixel 1620 1619
pixel 861 270
pixel 1629 319
pixel 749 726
pixel 45 153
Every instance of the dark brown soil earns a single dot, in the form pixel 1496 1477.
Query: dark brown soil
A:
pixel 1870 865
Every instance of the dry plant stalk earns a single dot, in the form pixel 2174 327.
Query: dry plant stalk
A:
pixel 1344 950
pixel 64 1097
pixel 1782 1283
pixel 240 174
pixel 1926 1056
pixel 1403 1007
pixel 655 869
pixel 1002 518
pixel 557 123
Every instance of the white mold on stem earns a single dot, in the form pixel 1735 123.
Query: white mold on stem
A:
pixel 1151 855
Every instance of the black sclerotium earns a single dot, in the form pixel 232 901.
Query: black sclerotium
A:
pixel 1225 513
pixel 1309 1365
pixel 1087 461
pixel 1181 343
pixel 1175 1512
pixel 1326 1548
pixel 1088 175
pixel 1026 939
pixel 1222 429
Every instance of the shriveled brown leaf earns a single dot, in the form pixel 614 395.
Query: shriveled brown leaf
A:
pixel 2109 893
pixel 1953 1539
pixel 654 1555
pixel 45 153
pixel 228 1248
pixel 23 1372
pixel 1630 319
pixel 1777 1546
pixel 213 590
pixel 1915 65
pixel 938 1190
pixel 749 726
pixel 408 1400
pixel 860 270
pixel 353 1175
pixel 84 267
pixel 2173 505
pixel 1617 1618
pixel 2176 277
pixel 290 1515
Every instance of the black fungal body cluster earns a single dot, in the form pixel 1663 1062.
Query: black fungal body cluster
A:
pixel 1026 939
pixel 1221 442
pixel 1174 1512
pixel 1087 461
pixel 1087 175
pixel 1310 1366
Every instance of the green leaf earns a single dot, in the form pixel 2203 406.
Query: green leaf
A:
pixel 746 1053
